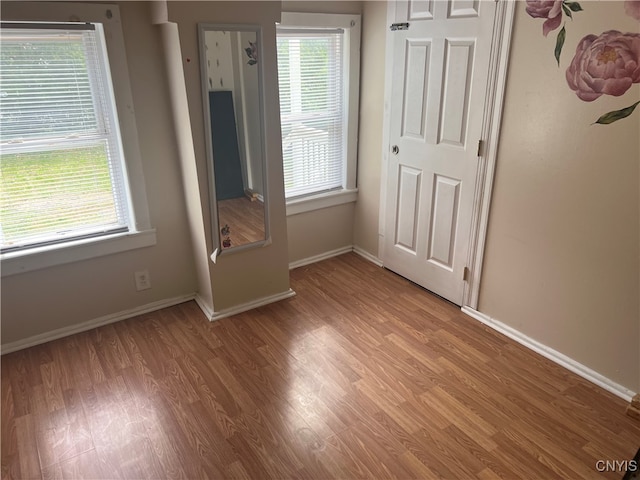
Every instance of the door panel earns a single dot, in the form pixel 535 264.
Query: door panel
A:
pixel 458 60
pixel 440 68
pixel 408 207
pixel 446 195
pixel 463 8
pixel 415 92
pixel 420 10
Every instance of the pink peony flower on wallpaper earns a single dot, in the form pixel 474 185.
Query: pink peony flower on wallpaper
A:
pixel 606 64
pixel 549 9
pixel 632 7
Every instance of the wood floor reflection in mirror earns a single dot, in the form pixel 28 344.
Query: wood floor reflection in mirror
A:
pixel 241 221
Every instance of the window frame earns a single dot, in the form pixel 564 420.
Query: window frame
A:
pixel 140 233
pixel 351 24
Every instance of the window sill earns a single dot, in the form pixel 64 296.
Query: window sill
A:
pixel 42 257
pixel 321 200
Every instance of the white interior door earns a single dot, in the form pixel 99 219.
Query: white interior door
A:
pixel 439 81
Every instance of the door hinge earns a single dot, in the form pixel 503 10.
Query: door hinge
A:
pixel 465 274
pixel 480 148
pixel 399 26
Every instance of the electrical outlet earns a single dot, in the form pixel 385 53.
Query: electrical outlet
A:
pixel 143 282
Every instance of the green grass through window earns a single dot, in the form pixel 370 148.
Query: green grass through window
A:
pixel 54 191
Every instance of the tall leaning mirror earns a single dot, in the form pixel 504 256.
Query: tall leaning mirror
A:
pixel 234 133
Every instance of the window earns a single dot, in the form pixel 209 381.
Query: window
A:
pixel 62 168
pixel 64 179
pixel 318 60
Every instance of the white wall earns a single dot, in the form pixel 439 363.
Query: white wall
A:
pixel 251 114
pixel 219 60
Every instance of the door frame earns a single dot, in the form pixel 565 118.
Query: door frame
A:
pixel 492 117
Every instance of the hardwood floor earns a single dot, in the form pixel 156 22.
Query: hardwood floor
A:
pixel 361 375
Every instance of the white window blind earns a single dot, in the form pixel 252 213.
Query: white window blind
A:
pixel 310 71
pixel 62 174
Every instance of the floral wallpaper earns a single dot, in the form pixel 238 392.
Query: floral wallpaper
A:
pixel 604 64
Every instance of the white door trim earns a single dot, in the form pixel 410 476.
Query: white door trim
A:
pixel 496 85
pixel 500 46
pixel 386 124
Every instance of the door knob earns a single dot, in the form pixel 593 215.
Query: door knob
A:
pixel 395 149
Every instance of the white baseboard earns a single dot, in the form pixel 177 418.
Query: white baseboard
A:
pixel 367 256
pixel 150 307
pixel 334 253
pixel 204 306
pixel 553 355
pixel 227 312
pixel 96 322
pixel 320 257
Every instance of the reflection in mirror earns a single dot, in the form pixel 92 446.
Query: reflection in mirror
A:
pixel 232 88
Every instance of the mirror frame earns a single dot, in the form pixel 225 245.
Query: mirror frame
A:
pixel 213 201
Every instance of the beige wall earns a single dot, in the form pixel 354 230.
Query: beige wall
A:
pixel 370 148
pixel 320 231
pixel 253 274
pixel 561 262
pixel 348 7
pixel 193 182
pixel 48 299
